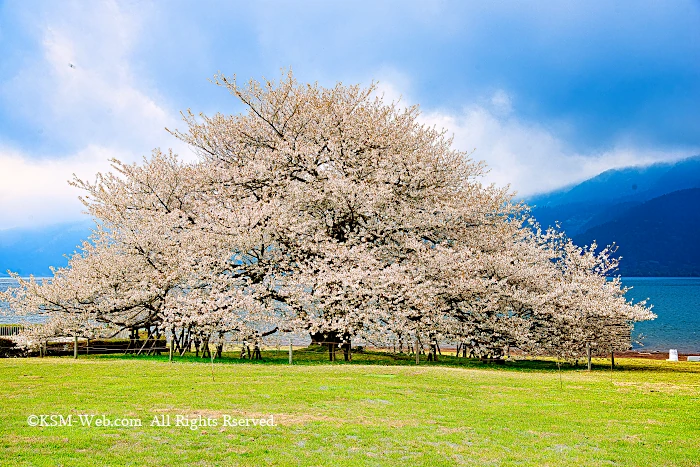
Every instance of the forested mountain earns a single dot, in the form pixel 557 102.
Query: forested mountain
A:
pixel 650 212
pixel 659 237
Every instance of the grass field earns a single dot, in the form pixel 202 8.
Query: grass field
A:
pixel 376 411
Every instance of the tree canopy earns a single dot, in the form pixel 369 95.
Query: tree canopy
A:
pixel 332 212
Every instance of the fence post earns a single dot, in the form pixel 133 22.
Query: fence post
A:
pixel 417 353
pixel 75 347
pixel 290 351
pixel 588 354
pixel 172 342
pixel 211 355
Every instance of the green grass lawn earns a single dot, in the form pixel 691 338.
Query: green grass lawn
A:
pixel 377 410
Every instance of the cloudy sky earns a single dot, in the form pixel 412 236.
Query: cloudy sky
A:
pixel 547 93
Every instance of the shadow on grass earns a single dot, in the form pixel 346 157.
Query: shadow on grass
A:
pixel 319 356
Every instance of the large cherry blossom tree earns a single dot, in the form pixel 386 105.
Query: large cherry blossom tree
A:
pixel 331 212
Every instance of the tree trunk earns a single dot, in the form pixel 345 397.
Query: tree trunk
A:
pixel 179 341
pixel 132 341
pixel 148 338
pixel 154 350
pixel 187 341
pixel 331 351
pixel 206 353
pixel 346 350
pixel 330 339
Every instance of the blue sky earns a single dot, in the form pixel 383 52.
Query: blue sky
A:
pixel 547 93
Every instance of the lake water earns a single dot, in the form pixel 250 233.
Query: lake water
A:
pixel 676 302
pixel 5 317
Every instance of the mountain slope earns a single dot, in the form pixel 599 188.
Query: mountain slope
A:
pixel 650 212
pixel 628 184
pixel 608 195
pixel 658 237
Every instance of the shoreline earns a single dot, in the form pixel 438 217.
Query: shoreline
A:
pixel 654 355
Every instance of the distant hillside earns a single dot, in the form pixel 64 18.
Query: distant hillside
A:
pixel 650 212
pixel 605 197
pixel 32 251
pixel 659 237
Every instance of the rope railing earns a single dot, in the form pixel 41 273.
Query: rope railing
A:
pixel 273 348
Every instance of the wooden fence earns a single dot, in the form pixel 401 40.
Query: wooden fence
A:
pixel 10 329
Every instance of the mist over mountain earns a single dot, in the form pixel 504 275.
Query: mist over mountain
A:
pixel 32 250
pixel 650 212
pixel 603 197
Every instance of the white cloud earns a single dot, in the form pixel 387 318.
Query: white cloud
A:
pixel 502 102
pixel 391 84
pixel 83 88
pixel 524 155
pixel 36 192
pixel 529 157
pixel 83 92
